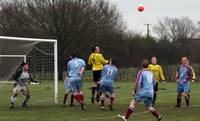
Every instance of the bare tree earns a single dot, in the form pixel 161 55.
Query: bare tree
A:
pixel 76 24
pixel 176 28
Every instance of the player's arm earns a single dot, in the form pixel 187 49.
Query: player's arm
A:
pixel 189 73
pixel 83 68
pixel 102 59
pixel 194 74
pixel 33 80
pixel 161 74
pixel 138 81
pixel 116 75
pixel 177 75
pixel 90 60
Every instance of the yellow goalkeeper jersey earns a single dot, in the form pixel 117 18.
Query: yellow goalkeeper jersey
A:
pixel 97 61
pixel 158 73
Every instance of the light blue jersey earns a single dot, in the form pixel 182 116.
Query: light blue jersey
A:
pixel 145 81
pixel 109 75
pixel 74 67
pixel 145 87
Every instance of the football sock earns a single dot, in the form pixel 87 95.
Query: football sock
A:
pixel 178 100
pixel 154 98
pixel 13 99
pixel 27 97
pixel 128 112
pixel 155 113
pixel 72 100
pixel 78 98
pixel 93 91
pixel 65 98
pixel 187 100
pixel 112 99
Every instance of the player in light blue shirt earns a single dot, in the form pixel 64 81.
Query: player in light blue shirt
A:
pixel 144 90
pixel 76 68
pixel 183 76
pixel 108 76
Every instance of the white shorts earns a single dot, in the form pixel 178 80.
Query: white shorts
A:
pixel 20 88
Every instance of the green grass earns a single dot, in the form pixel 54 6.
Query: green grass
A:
pixel 42 109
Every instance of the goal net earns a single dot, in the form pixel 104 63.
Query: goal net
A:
pixel 41 55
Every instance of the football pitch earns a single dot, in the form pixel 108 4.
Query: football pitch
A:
pixel 42 107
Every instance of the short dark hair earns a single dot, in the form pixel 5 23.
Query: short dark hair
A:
pixel 145 63
pixel 23 64
pixel 73 54
pixel 113 61
pixel 93 48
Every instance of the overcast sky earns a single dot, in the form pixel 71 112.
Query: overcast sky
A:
pixel 154 10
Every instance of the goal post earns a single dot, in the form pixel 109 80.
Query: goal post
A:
pixel 42 54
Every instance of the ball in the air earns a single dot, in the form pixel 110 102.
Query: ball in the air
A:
pixel 140 8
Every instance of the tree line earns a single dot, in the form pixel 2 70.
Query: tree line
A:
pixel 79 24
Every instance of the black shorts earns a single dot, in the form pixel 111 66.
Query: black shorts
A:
pixel 96 76
pixel 156 87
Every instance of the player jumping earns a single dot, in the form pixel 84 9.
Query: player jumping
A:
pixel 21 85
pixel 97 61
pixel 76 68
pixel 143 92
pixel 158 74
pixel 183 77
pixel 108 76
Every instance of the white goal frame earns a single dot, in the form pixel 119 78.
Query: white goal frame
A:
pixel 24 56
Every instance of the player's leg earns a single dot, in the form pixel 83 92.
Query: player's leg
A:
pixel 78 94
pixel 148 105
pixel 97 79
pixel 67 91
pixel 93 88
pixel 102 90
pixel 112 97
pixel 154 113
pixel 155 93
pixel 129 111
pixel 27 96
pixel 179 96
pixel 186 94
pixel 72 100
pixel 14 96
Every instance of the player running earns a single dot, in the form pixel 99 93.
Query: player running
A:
pixel 143 92
pixel 109 75
pixel 76 68
pixel 158 74
pixel 97 61
pixel 183 77
pixel 21 81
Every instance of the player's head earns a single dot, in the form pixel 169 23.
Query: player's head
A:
pixel 95 49
pixel 25 66
pixel 145 63
pixel 73 54
pixel 112 61
pixel 154 60
pixel 184 60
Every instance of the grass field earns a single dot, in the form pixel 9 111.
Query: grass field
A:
pixel 42 109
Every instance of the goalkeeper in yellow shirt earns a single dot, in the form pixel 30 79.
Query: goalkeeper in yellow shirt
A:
pixel 158 74
pixel 97 61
